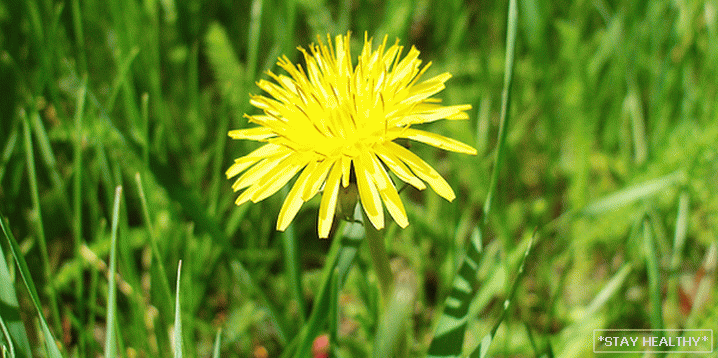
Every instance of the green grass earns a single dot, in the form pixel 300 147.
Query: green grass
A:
pixel 597 157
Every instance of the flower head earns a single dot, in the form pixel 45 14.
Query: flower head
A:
pixel 331 117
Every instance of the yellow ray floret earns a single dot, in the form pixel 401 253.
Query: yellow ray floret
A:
pixel 333 122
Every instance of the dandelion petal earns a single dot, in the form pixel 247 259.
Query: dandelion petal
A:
pixel 277 177
pixel 329 202
pixel 389 195
pixel 369 195
pixel 399 168
pixel 294 200
pixel 424 171
pixel 438 141
pixel 258 133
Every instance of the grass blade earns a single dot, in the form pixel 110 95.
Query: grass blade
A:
pixel 177 347
pixel 654 281
pixel 50 343
pixel 217 344
pixel 164 282
pixel 13 328
pixel 633 193
pixel 291 263
pixel 35 196
pixel 218 179
pixel 255 24
pixel 121 78
pixel 333 315
pixel 77 201
pixel 77 175
pixel 505 105
pixel 706 283
pixel 679 239
pixel 79 35
pixel 9 348
pixel 110 332
pixel 608 291
pixel 673 296
pixel 145 116
pixel 8 151
pixel 49 159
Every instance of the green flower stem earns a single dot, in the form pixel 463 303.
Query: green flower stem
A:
pixel 379 258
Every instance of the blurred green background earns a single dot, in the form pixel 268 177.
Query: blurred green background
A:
pixel 610 155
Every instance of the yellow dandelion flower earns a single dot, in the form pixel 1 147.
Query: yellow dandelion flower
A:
pixel 331 116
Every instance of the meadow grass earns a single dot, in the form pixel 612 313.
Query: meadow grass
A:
pixel 591 205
